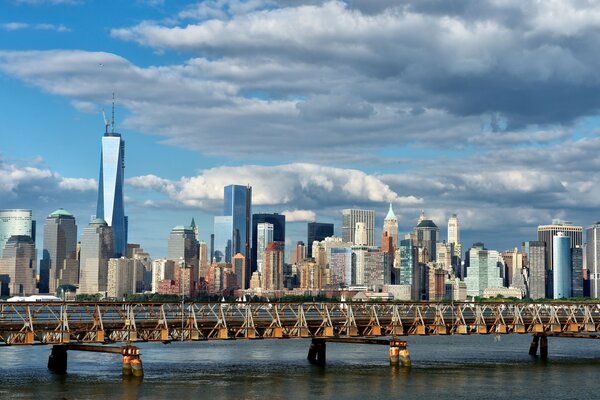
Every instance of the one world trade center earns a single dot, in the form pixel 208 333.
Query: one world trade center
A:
pixel 110 187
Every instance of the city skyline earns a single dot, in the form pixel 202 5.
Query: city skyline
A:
pixel 359 123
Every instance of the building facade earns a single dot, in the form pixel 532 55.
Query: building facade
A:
pixel 485 270
pixel 317 231
pixel 96 249
pixel 18 267
pixel 111 206
pixel 349 220
pixel 60 245
pixel 535 279
pixel 278 223
pixel 15 222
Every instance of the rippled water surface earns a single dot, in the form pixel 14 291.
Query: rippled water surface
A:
pixel 473 367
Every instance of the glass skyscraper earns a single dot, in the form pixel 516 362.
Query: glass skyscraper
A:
pixel 222 239
pixel 237 205
pixel 317 231
pixel 15 222
pixel 561 262
pixel 110 189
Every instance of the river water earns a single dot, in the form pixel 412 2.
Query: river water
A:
pixel 444 367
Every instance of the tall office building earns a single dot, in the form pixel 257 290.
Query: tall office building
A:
pixel 351 217
pixel 18 267
pixel 485 270
pixel 592 258
pixel 238 264
pixel 111 206
pixel 238 205
pixel 577 272
pixel 96 249
pixel 546 234
pixel 15 222
pixel 360 234
pixel 272 277
pixel 427 234
pixel 535 280
pixel 183 246
pixel 264 236
pixel 60 245
pixel 454 235
pixel 203 260
pixel 317 231
pixel 561 262
pixel 390 226
pixel 278 222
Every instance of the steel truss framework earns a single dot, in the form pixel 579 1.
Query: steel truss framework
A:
pixel 104 322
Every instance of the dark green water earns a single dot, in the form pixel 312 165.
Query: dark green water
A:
pixel 461 367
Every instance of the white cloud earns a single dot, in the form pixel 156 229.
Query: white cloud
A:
pixel 299 215
pixel 15 26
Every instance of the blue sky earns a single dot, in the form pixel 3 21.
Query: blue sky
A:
pixel 485 109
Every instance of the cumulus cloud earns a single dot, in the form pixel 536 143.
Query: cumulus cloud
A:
pixel 302 186
pixel 299 215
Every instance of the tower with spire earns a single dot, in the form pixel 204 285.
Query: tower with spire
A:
pixel 390 226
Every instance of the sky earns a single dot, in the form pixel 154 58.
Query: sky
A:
pixel 489 110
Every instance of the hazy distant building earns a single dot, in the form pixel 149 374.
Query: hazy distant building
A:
pixel 18 267
pixel 300 252
pixel 562 266
pixel 60 245
pixel 111 205
pixel 278 234
pixel 535 281
pixel 223 245
pixel 15 222
pixel 317 231
pixel 96 249
pixel 351 217
pixel 485 270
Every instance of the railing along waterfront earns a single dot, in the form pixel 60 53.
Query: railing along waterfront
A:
pixel 105 322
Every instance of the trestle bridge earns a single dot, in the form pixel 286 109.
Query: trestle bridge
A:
pixel 81 325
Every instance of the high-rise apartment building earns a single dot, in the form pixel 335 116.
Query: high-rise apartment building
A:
pixel 120 278
pixel 317 231
pixel 15 222
pixel 60 252
pixel 351 217
pixel 272 276
pixel 96 249
pixel 561 266
pixel 18 268
pixel 278 223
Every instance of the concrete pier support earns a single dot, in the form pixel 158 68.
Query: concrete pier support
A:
pixel 399 354
pixel 544 347
pixel 534 345
pixel 317 351
pixel 132 362
pixel 57 362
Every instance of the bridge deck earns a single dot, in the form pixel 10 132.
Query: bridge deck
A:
pixel 70 322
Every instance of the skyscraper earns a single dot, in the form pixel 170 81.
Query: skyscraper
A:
pixel 561 262
pixel 96 249
pixel 238 205
pixel 390 225
pixel 278 222
pixel 183 246
pixel 535 253
pixel 18 266
pixel 110 189
pixel 592 258
pixel 454 235
pixel 360 234
pixel 15 222
pixel 222 240
pixel 264 236
pixel 60 245
pixel 317 231
pixel 546 234
pixel 351 217
pixel 485 270
pixel 427 234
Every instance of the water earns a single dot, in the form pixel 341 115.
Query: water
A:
pixel 444 367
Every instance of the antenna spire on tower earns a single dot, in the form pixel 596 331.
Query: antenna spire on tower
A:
pixel 113 113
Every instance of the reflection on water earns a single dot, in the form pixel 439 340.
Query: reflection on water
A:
pixel 476 367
